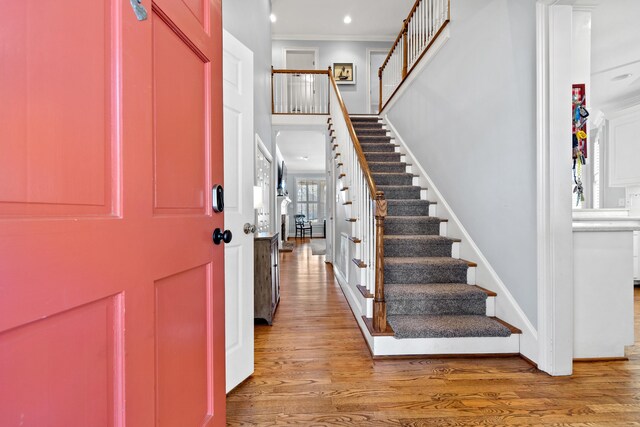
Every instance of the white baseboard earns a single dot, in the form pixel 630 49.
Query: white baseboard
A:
pixel 390 346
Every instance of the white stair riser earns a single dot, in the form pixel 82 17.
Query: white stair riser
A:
pixel 491 306
pixel 471 276
pixel 443 228
pixel 455 250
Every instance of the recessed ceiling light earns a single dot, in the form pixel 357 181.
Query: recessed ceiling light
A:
pixel 303 158
pixel 273 18
pixel 621 77
pixel 347 19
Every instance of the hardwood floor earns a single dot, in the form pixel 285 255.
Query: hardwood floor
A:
pixel 313 368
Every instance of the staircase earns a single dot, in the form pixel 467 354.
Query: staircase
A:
pixel 430 293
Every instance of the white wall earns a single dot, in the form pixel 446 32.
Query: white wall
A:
pixel 470 120
pixel 355 96
pixel 254 31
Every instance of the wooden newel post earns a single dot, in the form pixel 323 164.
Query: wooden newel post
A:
pixel 273 105
pixel 329 90
pixel 405 47
pixel 379 304
pixel 380 98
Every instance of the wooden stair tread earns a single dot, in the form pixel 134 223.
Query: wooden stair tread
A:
pixel 364 291
pixel 469 263
pixel 388 332
pixel 512 328
pixel 359 263
pixel 487 291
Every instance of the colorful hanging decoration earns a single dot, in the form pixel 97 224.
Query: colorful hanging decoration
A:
pixel 579 138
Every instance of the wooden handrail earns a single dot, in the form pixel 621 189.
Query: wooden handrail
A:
pixel 356 142
pixel 377 196
pixel 403 35
pixel 393 47
pixel 404 25
pixel 273 71
pixel 405 46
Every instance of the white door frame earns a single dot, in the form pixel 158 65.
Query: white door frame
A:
pixel 315 51
pixel 368 60
pixel 273 178
pixel 555 235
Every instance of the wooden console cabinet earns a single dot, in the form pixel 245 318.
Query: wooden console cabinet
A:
pixel 266 290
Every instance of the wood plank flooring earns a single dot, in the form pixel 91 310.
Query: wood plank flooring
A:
pixel 313 369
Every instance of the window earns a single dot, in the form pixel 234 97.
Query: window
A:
pixel 310 198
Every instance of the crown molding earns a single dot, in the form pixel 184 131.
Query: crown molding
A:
pixel 329 37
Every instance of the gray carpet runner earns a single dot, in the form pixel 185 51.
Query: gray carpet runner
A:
pixel 426 289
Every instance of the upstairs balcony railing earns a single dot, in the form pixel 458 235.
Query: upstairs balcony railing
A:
pixel 299 91
pixel 425 22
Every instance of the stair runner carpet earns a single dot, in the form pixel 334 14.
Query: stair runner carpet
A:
pixel 426 289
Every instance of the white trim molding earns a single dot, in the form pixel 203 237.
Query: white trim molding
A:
pixel 368 59
pixel 328 37
pixel 555 240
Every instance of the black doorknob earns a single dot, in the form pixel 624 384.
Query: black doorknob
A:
pixel 219 236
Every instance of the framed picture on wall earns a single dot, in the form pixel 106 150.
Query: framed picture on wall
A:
pixel 344 73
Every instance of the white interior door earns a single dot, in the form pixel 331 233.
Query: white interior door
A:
pixel 300 59
pixel 300 87
pixel 238 178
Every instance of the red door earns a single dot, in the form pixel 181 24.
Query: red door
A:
pixel 111 290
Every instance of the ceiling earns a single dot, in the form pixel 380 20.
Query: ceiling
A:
pixel 379 20
pixel 294 145
pixel 615 52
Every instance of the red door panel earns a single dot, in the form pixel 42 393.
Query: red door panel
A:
pixel 181 119
pixel 182 340
pixel 54 373
pixel 111 291
pixel 44 145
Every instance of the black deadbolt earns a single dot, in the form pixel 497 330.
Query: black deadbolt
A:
pixel 219 236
